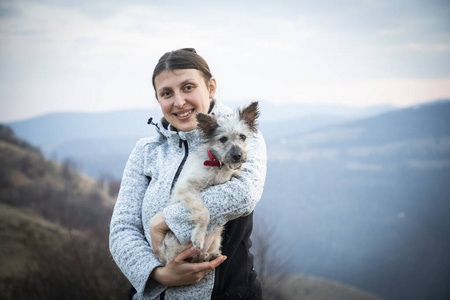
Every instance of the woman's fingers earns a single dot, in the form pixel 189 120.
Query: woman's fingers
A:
pixel 217 261
pixel 185 254
pixel 180 272
pixel 158 230
pixel 206 267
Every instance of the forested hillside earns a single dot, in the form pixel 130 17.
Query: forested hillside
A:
pixel 53 229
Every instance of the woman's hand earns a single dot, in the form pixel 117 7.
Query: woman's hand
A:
pixel 158 230
pixel 180 272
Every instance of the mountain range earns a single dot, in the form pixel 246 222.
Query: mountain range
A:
pixel 354 195
pixel 101 142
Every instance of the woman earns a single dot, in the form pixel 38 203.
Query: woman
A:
pixel 184 87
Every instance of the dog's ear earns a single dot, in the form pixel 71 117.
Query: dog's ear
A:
pixel 249 115
pixel 207 124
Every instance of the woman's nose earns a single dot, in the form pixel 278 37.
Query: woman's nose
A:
pixel 179 100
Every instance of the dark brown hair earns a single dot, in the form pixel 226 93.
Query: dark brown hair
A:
pixel 186 58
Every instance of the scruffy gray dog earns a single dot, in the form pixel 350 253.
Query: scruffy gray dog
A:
pixel 213 162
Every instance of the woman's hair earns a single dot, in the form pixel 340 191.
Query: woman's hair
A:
pixel 186 58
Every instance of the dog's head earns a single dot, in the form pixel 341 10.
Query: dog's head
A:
pixel 228 136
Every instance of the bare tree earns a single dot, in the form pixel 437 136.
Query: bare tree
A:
pixel 272 254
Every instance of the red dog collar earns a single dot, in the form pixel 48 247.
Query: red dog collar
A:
pixel 212 162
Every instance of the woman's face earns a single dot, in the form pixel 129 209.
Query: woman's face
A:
pixel 182 94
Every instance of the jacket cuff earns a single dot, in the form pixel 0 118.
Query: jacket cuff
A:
pixel 150 288
pixel 178 222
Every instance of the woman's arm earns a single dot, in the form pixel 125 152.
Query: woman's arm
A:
pixel 128 245
pixel 227 201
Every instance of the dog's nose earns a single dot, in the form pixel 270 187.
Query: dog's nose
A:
pixel 236 156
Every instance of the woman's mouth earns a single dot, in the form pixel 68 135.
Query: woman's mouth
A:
pixel 184 115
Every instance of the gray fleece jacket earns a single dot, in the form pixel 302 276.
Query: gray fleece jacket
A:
pixel 158 158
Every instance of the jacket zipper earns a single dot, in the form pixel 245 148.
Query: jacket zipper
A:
pixel 180 167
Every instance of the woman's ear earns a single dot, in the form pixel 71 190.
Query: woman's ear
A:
pixel 212 85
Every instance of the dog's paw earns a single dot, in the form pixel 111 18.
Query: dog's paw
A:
pixel 202 257
pixel 198 242
pixel 198 239
pixel 211 256
pixel 197 258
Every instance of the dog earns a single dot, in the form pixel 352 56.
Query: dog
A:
pixel 215 161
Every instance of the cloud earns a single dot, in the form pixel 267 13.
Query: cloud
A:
pixel 429 47
pixel 99 55
pixel 396 91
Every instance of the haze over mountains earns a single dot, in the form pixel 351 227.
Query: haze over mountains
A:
pixel 360 196
pixel 101 142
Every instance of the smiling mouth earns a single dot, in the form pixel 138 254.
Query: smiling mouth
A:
pixel 185 114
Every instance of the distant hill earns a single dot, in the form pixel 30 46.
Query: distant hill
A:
pixel 93 141
pixel 421 121
pixel 404 132
pixel 50 131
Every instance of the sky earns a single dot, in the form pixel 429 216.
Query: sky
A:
pixel 91 56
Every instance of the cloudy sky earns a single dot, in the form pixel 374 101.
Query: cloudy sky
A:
pixel 99 55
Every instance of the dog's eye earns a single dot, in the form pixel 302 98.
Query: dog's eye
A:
pixel 223 139
pixel 243 137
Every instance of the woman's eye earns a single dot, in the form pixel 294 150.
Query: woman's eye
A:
pixel 188 87
pixel 223 139
pixel 166 94
pixel 243 137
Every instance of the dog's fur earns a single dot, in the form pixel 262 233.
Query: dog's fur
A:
pixel 227 138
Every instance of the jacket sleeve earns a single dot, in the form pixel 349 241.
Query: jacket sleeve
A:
pixel 233 199
pixel 129 248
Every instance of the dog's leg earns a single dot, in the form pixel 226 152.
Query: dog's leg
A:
pixel 190 196
pixel 214 250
